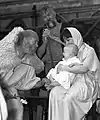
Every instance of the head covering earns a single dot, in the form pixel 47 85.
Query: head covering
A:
pixel 76 35
pixel 94 64
pixel 88 55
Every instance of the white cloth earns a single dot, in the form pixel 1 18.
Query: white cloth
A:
pixel 11 66
pixel 65 78
pixel 3 107
pixel 74 103
pixel 17 75
pixel 8 56
pixel 24 78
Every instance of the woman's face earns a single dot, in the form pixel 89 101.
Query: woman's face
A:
pixel 68 40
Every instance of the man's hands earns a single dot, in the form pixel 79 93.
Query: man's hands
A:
pixel 46 81
pixel 46 33
pixel 52 85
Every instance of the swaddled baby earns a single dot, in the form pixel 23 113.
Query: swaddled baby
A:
pixel 65 78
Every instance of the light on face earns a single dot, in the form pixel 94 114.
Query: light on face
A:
pixel 48 15
pixel 67 52
pixel 33 43
pixel 64 38
pixel 30 45
pixel 68 40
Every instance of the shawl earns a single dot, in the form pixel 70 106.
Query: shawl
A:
pixel 94 64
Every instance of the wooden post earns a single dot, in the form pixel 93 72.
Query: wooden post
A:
pixel 34 16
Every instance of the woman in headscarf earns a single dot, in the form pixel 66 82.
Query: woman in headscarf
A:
pixel 74 103
pixel 18 63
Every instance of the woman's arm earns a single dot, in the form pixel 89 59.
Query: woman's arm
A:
pixel 77 68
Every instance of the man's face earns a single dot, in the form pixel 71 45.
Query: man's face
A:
pixel 30 45
pixel 47 16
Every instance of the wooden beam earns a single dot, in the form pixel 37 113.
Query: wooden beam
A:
pixel 16 15
pixel 14 2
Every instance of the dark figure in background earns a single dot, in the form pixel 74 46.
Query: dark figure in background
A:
pixel 94 41
pixel 96 45
pixel 51 49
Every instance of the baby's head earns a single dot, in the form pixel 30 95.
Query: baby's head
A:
pixel 70 50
